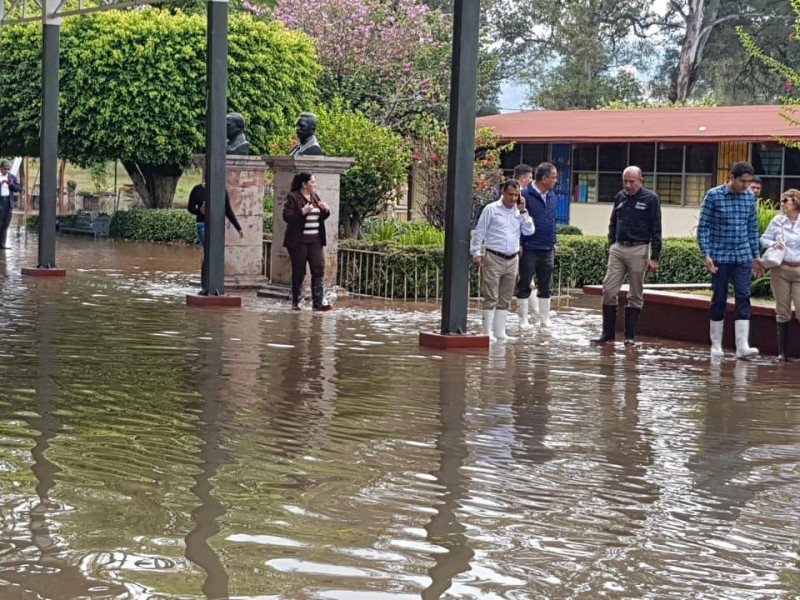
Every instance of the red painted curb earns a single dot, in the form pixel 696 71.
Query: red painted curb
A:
pixel 197 300
pixel 449 341
pixel 37 272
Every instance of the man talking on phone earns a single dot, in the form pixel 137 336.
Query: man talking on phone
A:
pixel 495 249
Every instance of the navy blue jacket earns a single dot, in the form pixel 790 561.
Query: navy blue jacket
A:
pixel 543 213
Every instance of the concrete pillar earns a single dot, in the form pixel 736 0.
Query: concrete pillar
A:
pixel 327 171
pixel 246 180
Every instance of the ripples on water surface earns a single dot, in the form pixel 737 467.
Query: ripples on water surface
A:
pixel 155 451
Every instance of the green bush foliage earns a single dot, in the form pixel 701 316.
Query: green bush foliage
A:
pixel 568 230
pixel 161 225
pixel 581 261
pixel 405 233
pixel 133 87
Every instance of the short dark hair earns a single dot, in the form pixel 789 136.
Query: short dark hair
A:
pixel 544 170
pixel 509 183
pixel 756 179
pixel 521 170
pixel 299 179
pixel 741 168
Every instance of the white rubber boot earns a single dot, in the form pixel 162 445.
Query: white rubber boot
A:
pixel 488 320
pixel 533 303
pixel 500 317
pixel 522 313
pixel 544 312
pixel 716 338
pixel 743 348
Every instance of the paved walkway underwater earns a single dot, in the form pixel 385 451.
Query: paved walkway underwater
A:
pixel 155 450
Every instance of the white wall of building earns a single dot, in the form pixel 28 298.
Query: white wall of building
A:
pixel 592 219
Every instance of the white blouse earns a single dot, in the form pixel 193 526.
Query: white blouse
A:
pixel 781 229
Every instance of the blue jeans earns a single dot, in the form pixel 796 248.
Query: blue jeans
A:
pixel 201 234
pixel 739 275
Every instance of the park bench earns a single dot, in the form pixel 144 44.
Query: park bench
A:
pixel 91 222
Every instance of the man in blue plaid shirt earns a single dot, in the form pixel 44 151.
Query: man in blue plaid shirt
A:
pixel 728 238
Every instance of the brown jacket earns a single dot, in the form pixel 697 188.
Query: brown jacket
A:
pixel 296 220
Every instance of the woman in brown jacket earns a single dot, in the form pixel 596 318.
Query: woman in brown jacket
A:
pixel 305 214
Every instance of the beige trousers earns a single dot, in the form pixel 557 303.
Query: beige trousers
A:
pixel 785 284
pixel 499 277
pixel 626 259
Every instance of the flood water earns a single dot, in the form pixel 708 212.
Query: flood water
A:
pixel 155 451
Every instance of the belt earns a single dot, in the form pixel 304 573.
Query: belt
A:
pixel 788 263
pixel 501 255
pixel 633 243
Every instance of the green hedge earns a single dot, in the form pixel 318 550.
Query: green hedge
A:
pixel 151 225
pixel 154 225
pixel 581 261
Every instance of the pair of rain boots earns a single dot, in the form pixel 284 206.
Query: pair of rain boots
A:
pixel 533 306
pixel 741 328
pixel 609 332
pixel 317 293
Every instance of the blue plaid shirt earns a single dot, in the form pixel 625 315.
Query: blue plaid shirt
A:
pixel 728 229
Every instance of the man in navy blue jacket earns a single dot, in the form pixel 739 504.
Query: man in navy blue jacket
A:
pixel 538 250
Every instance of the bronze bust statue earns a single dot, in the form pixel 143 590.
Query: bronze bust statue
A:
pixel 305 127
pixel 237 144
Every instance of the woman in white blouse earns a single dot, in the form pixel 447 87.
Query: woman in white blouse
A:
pixel 784 232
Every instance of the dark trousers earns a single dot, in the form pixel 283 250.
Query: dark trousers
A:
pixel 5 217
pixel 739 275
pixel 306 252
pixel 538 264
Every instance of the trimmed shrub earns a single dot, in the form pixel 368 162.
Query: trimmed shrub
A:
pixel 154 225
pixel 568 230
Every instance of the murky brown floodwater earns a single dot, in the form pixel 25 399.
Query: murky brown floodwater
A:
pixel 153 451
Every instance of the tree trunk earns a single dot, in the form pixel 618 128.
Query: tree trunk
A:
pixel 701 18
pixel 155 184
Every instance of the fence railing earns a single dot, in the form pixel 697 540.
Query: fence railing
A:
pixel 401 276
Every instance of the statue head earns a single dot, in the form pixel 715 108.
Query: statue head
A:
pixel 235 123
pixel 306 126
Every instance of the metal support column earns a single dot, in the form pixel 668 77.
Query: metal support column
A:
pixel 48 170
pixel 460 161
pixel 216 142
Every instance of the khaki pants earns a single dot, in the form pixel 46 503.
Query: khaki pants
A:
pixel 499 277
pixel 626 259
pixel 785 284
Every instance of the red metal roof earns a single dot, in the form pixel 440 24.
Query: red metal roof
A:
pixel 686 124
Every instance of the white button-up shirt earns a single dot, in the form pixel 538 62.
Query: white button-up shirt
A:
pixel 4 189
pixel 781 229
pixel 499 229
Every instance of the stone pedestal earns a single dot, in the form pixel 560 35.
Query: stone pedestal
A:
pixel 246 182
pixel 327 171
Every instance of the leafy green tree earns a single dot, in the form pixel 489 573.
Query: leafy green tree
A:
pixel 574 53
pixel 133 88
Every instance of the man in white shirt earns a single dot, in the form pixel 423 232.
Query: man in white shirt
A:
pixel 495 248
pixel 8 187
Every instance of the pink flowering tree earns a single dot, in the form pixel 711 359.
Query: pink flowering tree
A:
pixel 390 60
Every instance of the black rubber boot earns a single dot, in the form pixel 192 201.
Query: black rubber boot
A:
pixel 3 236
pixel 783 333
pixel 609 324
pixel 631 320
pixel 296 295
pixel 317 289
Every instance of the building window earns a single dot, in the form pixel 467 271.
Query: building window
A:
pixel 610 184
pixel 643 156
pixel 696 188
pixel 669 188
pixel 585 157
pixel 585 187
pixel 700 158
pixel 670 158
pixel 533 154
pixel 766 158
pixel 612 157
pixel 792 158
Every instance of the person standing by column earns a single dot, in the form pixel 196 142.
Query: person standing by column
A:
pixel 538 250
pixel 8 187
pixel 305 214
pixel 729 243
pixel 634 238
pixel 497 233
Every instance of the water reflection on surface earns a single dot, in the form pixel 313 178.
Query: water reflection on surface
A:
pixel 152 450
